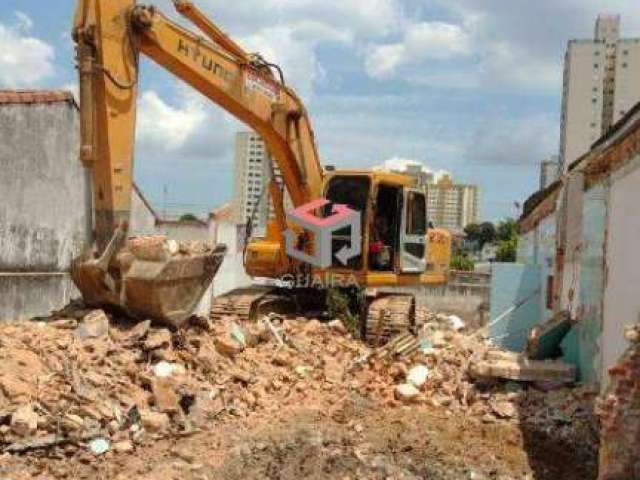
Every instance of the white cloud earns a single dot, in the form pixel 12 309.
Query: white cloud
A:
pixel 290 32
pixel 23 22
pixel 401 164
pixel 25 61
pixel 166 127
pixel 361 18
pixel 421 42
pixel 298 59
pixel 506 64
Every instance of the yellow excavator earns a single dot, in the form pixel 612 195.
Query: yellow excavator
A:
pixel 385 250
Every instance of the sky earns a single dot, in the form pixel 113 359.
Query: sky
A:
pixel 472 87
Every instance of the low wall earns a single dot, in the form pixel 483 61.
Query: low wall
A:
pixel 467 295
pixel 25 296
pixel 45 213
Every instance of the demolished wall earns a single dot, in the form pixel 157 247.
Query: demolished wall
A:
pixel 619 411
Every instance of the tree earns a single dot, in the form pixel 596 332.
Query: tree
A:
pixel 188 217
pixel 480 233
pixel 507 229
pixel 507 234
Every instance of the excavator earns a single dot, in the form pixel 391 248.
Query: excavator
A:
pixel 383 247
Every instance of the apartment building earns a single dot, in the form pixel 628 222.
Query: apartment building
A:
pixel 600 85
pixel 450 205
pixel 549 171
pixel 253 171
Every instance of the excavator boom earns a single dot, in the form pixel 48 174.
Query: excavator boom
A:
pixel 110 35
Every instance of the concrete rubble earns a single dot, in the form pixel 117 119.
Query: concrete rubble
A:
pixel 130 383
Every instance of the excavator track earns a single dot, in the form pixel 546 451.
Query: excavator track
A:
pixel 243 303
pixel 388 316
pixel 249 303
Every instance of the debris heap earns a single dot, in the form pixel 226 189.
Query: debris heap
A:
pixel 92 383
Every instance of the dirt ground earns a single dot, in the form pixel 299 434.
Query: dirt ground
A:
pixel 401 443
pixel 285 412
pixel 354 439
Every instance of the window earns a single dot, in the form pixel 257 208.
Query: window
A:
pixel 594 100
pixel 595 65
pixel 625 52
pixel 624 65
pixel 416 214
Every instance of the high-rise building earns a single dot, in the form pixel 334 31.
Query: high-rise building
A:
pixel 549 171
pixel 600 85
pixel 449 205
pixel 253 170
pixel 452 206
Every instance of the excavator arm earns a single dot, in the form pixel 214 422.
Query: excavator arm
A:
pixel 110 36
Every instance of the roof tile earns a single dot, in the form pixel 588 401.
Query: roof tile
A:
pixel 8 97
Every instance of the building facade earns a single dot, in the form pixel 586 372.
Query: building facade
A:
pixel 600 76
pixel 549 171
pixel 254 169
pixel 450 205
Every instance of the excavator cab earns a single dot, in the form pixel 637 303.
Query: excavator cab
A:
pixel 393 222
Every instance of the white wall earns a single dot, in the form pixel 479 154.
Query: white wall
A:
pixel 231 274
pixel 622 287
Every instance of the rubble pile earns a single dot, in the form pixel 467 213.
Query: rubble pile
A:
pixel 74 380
pixel 84 379
pixel 619 412
pixel 158 248
pixel 447 365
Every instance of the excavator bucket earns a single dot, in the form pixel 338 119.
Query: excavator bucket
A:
pixel 149 278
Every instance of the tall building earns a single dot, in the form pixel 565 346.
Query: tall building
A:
pixel 601 76
pixel 452 206
pixel 549 171
pixel 253 170
pixel 423 176
pixel 449 205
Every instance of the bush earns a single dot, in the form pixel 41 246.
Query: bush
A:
pixel 462 262
pixel 507 250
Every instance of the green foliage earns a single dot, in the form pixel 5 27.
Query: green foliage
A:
pixel 462 262
pixel 507 250
pixel 345 307
pixel 507 230
pixel 188 217
pixel 481 233
pixel 507 233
